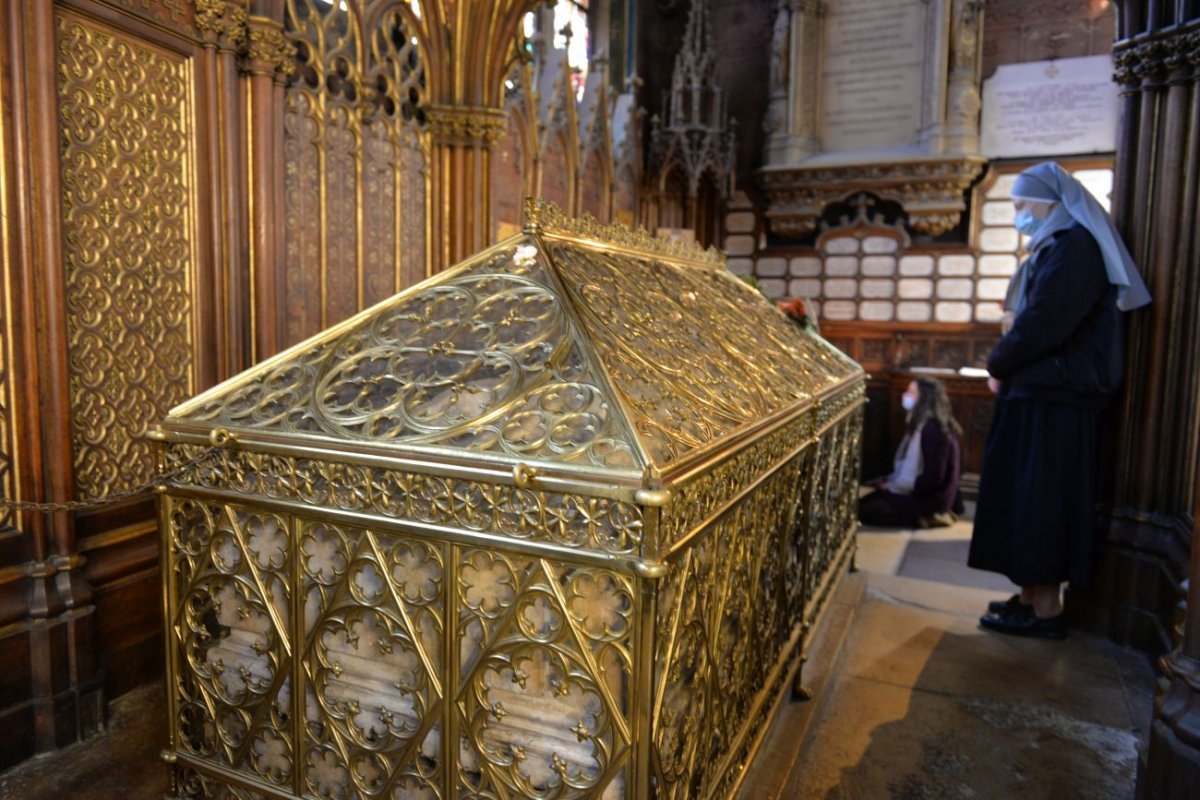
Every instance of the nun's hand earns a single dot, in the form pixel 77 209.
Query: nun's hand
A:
pixel 994 385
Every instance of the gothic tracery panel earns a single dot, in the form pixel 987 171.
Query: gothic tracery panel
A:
pixel 508 178
pixel 556 177
pixel 128 200
pixel 354 163
pixel 592 188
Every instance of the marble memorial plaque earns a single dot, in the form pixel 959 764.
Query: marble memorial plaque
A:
pixel 805 266
pixel 1048 108
pixel 914 312
pixel 739 222
pixel 916 288
pixel 992 288
pixel 877 288
pixel 840 288
pixel 878 265
pixel 952 312
pixel 916 265
pixel 804 287
pixel 771 267
pixel 841 310
pixel 842 245
pixel 739 245
pixel 841 266
pixel 872 78
pixel 875 310
pixel 988 312
pixel 880 244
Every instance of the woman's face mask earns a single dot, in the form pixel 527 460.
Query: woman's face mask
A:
pixel 909 402
pixel 1031 216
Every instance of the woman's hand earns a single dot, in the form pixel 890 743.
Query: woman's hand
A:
pixel 994 385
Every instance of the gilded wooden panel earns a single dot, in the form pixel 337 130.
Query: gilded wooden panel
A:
pixel 128 199
pixel 381 161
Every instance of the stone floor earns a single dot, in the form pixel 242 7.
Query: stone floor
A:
pixel 913 702
pixel 918 702
pixel 120 764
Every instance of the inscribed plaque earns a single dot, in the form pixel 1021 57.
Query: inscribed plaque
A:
pixel 1047 108
pixel 872 78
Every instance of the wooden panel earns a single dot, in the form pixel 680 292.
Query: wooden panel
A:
pixel 886 345
pixel 16 744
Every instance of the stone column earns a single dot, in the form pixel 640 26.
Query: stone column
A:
pixel 963 101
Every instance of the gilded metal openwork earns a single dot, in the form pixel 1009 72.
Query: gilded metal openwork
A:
pixel 550 525
pixel 129 258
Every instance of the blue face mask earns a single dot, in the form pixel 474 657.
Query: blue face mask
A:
pixel 1027 223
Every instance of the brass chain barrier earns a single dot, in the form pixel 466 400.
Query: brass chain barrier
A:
pixel 115 497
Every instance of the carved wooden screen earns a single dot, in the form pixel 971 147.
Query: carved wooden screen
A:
pixel 127 144
pixel 355 168
pixel 556 170
pixel 508 178
pixel 592 186
pixel 672 197
pixel 625 197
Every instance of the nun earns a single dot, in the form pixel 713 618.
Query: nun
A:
pixel 1053 370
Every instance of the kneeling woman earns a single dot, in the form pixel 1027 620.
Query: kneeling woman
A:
pixel 921 490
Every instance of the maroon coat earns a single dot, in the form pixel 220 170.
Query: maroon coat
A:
pixel 937 484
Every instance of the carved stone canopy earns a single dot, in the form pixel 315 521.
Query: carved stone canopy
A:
pixel 695 137
pixel 930 188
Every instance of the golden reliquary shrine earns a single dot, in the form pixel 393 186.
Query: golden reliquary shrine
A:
pixel 554 523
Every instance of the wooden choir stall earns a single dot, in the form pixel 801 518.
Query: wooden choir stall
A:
pixel 554 523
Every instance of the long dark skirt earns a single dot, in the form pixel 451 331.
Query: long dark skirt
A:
pixel 1033 521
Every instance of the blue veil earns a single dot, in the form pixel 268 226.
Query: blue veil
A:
pixel 1049 183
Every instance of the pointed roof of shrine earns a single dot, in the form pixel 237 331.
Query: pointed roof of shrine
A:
pixel 575 347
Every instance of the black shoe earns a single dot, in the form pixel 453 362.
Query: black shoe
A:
pixel 1026 623
pixel 1001 607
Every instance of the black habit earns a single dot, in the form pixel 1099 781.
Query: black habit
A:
pixel 1058 365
